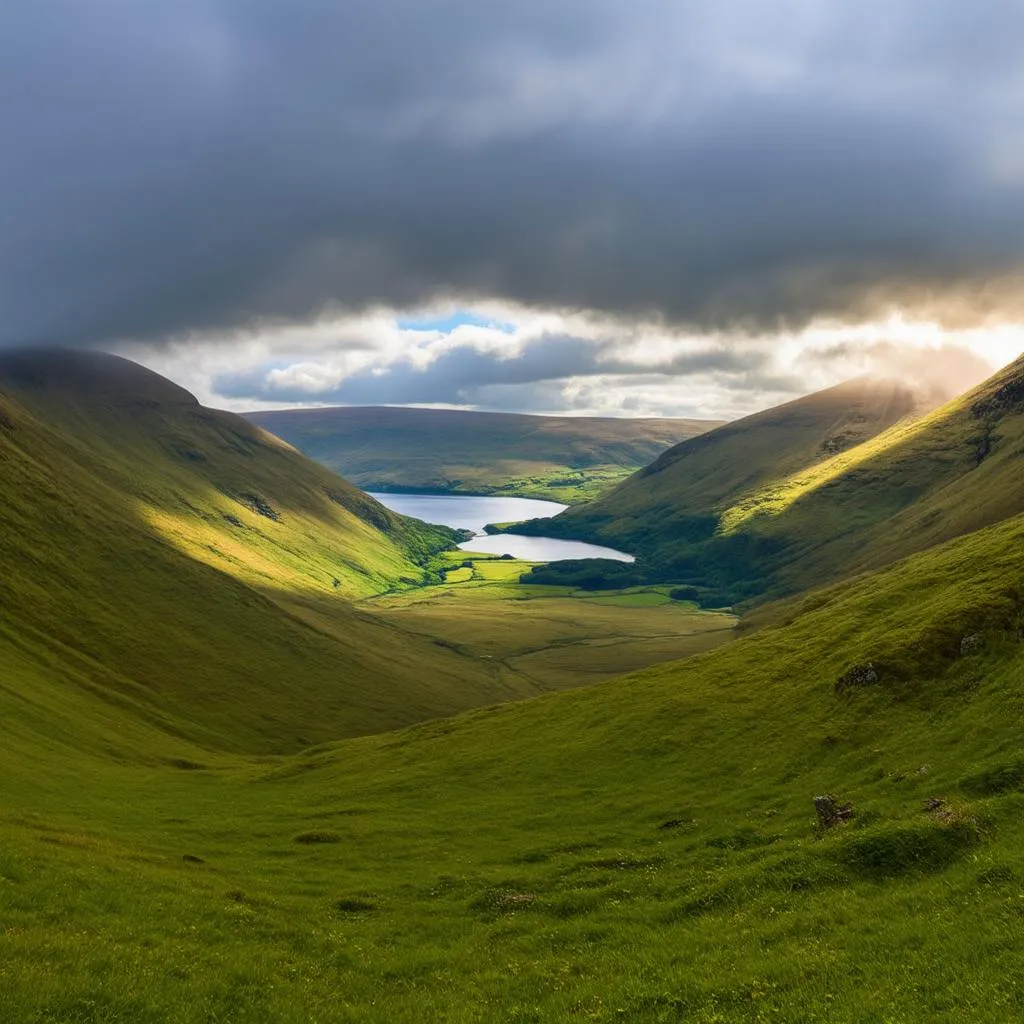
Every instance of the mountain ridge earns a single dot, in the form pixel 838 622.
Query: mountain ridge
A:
pixel 792 518
pixel 395 448
pixel 186 560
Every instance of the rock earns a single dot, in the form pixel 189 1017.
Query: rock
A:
pixel 934 803
pixel 983 448
pixel 190 858
pixel 859 675
pixel 254 503
pixel 831 812
pixel 969 644
pixel 1007 398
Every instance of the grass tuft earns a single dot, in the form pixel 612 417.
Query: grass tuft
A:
pixel 1001 777
pixel 316 838
pixel 886 850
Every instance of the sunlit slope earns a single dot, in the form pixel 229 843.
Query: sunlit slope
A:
pixel 775 518
pixel 218 487
pixel 643 850
pixel 693 479
pixel 557 457
pixel 921 483
pixel 156 551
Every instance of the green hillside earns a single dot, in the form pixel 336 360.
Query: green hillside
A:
pixel 797 496
pixel 185 562
pixel 643 850
pixel 561 458
pixel 174 848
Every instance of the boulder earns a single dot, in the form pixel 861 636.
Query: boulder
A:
pixel 859 675
pixel 831 812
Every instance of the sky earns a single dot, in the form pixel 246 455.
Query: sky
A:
pixel 614 207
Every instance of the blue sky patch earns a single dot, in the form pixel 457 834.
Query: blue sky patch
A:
pixel 457 318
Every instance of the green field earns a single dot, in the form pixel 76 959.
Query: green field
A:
pixel 558 458
pixel 549 637
pixel 642 850
pixel 272 769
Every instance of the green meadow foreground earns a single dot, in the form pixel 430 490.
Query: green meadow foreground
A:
pixel 641 850
pixel 228 794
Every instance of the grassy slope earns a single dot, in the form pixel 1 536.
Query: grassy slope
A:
pixel 510 865
pixel 560 458
pixel 642 850
pixel 714 469
pixel 914 486
pixel 557 637
pixel 142 560
pixel 790 516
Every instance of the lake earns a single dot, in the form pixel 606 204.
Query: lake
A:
pixel 469 512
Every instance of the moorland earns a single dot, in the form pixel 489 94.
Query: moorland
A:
pixel 270 752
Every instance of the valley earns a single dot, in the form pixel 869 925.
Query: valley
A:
pixel 511 513
pixel 272 751
pixel 554 637
pixel 442 451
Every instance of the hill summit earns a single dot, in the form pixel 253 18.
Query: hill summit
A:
pixel 80 376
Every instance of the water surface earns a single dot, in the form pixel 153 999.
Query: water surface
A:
pixel 468 512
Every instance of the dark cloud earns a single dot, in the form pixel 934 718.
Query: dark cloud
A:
pixel 210 162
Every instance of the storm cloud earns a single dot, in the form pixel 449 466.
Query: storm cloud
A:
pixel 207 164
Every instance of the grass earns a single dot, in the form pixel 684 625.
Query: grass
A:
pixel 837 483
pixel 174 848
pixel 564 459
pixel 553 638
pixel 640 850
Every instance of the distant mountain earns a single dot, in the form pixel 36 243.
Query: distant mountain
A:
pixel 562 458
pixel 188 563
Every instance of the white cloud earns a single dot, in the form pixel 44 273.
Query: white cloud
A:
pixel 572 363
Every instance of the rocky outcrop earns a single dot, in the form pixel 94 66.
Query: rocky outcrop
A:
pixel 831 812
pixel 859 675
